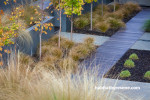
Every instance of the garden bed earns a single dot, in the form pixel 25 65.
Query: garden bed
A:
pixel 109 23
pixel 142 65
pixel 65 57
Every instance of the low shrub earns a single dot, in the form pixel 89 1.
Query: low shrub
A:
pixel 125 12
pixel 67 44
pixel 147 75
pixel 131 7
pixel 56 52
pixel 117 5
pixel 89 43
pixel 79 52
pixel 97 18
pixel 68 64
pixel 134 56
pixel 125 74
pixel 67 56
pixel 26 59
pixel 147 26
pixel 115 23
pixel 98 10
pixel 103 26
pixel 129 64
pixel 81 22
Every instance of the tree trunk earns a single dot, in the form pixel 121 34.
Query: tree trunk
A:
pixel 40 51
pixel 102 8
pixel 40 35
pixel 114 5
pixel 91 14
pixel 72 24
pixel 60 25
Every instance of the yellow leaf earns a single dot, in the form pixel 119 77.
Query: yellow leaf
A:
pixel 1 48
pixel 36 29
pixel 31 18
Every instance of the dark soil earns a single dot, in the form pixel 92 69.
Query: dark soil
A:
pixel 141 67
pixel 109 33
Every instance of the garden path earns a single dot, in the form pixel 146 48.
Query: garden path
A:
pixel 111 51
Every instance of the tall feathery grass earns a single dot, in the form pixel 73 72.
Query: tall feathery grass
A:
pixel 24 83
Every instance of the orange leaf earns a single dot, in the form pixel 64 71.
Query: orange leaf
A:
pixel 1 48
pixel 1 63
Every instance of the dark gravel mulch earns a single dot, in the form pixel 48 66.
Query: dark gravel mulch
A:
pixel 141 66
pixel 109 33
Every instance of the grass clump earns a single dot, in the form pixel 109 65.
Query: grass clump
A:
pixel 110 19
pixel 81 22
pixel 82 50
pixel 40 84
pixel 103 26
pixel 125 74
pixel 147 75
pixel 134 56
pixel 147 26
pixel 131 7
pixel 129 64
pixel 67 56
pixel 115 23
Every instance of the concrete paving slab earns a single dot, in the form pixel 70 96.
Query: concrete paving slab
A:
pixel 146 36
pixel 141 93
pixel 79 38
pixel 141 45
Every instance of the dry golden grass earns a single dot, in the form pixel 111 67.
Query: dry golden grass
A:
pixel 131 7
pixel 101 22
pixel 115 23
pixel 68 54
pixel 40 84
pixel 102 26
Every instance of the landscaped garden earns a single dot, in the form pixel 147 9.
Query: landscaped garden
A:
pixel 38 63
pixel 106 21
pixel 134 65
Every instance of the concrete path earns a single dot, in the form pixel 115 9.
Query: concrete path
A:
pixel 133 90
pixel 79 38
pixel 112 50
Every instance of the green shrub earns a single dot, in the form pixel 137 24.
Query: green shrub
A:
pixel 147 75
pixel 134 56
pixel 125 74
pixel 129 63
pixel 81 22
pixel 115 23
pixel 147 26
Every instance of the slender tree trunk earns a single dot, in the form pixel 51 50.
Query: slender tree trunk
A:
pixel 40 35
pixel 40 51
pixel 114 5
pixel 60 24
pixel 72 24
pixel 102 8
pixel 91 14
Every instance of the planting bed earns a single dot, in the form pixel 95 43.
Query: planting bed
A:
pixel 109 23
pixel 142 65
